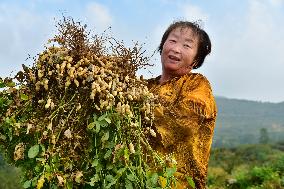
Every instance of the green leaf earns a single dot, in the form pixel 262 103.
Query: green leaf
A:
pixel 24 97
pixel 95 163
pixel 2 102
pixel 27 184
pixel 34 181
pixel 109 178
pixel 94 179
pixel 54 186
pixel 118 124
pixel 10 121
pixel 105 136
pixel 10 133
pixel 108 153
pixel 98 126
pixel 102 117
pixel 99 167
pixel 103 123
pixel 190 181
pixel 47 168
pixel 131 177
pixel 9 102
pixel 33 151
pixel 154 178
pixel 126 154
pixel 121 171
pixel 2 84
pixel 95 117
pixel 109 166
pixel 11 84
pixel 42 148
pixel 170 171
pixel 38 168
pixel 69 185
pixel 128 184
pixel 40 159
pixel 2 137
pixel 91 125
pixel 108 120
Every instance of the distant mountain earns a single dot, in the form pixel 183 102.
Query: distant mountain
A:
pixel 240 121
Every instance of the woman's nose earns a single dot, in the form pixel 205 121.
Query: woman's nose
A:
pixel 176 48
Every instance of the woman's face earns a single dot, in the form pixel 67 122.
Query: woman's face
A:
pixel 179 51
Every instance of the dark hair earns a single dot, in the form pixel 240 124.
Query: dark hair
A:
pixel 204 43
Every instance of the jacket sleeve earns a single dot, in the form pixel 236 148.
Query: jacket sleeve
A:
pixel 196 98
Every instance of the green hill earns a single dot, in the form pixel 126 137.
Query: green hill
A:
pixel 250 166
pixel 240 122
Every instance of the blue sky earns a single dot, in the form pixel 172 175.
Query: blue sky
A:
pixel 247 59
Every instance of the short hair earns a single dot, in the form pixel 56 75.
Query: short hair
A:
pixel 204 43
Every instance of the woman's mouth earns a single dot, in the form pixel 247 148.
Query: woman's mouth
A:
pixel 173 58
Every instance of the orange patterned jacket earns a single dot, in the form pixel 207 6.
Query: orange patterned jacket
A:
pixel 185 124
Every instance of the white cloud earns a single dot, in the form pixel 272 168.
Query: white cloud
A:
pixel 248 62
pixel 277 2
pixel 194 13
pixel 98 16
pixel 23 32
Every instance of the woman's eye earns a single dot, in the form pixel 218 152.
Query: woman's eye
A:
pixel 187 46
pixel 172 40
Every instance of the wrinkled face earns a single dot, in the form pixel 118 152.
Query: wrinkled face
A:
pixel 179 51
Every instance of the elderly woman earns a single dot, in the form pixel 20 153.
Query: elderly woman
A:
pixel 185 121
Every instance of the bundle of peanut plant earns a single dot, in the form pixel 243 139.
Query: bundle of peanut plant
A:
pixel 80 118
